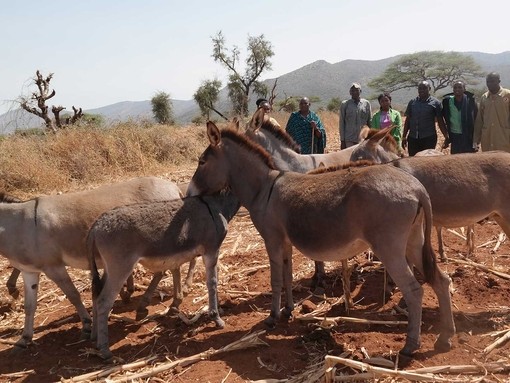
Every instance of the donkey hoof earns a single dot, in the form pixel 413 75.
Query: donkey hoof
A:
pixel 442 345
pixel 18 350
pixel 287 312
pixel 410 348
pixel 106 355
pixel 220 323
pixel 270 322
pixel 141 313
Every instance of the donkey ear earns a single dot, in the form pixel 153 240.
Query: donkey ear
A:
pixel 235 123
pixel 213 133
pixel 376 139
pixel 257 120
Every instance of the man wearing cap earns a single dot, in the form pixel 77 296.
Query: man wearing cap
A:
pixel 354 114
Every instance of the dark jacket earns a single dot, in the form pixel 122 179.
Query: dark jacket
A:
pixel 469 111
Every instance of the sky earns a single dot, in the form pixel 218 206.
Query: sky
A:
pixel 103 52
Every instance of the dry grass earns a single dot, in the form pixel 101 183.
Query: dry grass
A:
pixel 80 158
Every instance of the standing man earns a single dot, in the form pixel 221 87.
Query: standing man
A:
pixel 459 112
pixel 354 114
pixel 492 127
pixel 306 128
pixel 420 125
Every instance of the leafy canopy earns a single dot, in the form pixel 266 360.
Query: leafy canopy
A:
pixel 241 82
pixel 162 108
pixel 439 68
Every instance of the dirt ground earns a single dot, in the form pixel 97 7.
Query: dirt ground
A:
pixel 481 306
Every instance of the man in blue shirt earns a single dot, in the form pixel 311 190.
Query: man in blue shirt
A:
pixel 422 113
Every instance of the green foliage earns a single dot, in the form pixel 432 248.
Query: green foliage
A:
pixel 259 52
pixel 334 105
pixel 162 108
pixel 290 104
pixel 207 95
pixel 198 120
pixel 437 67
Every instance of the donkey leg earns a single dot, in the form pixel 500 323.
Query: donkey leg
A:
pixel 470 240
pixel 287 281
pixel 440 244
pixel 30 288
pixel 176 277
pixel 113 280
pixel 319 276
pixel 130 289
pixel 141 310
pixel 211 275
pixel 60 276
pixel 189 278
pixel 11 283
pixel 413 295
pixel 276 256
pixel 441 286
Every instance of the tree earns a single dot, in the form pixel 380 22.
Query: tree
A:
pixel 36 104
pixel 241 83
pixel 334 105
pixel 437 67
pixel 162 108
pixel 206 96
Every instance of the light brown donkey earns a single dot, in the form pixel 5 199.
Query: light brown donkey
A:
pixel 329 217
pixel 48 233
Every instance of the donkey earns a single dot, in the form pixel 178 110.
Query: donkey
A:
pixel 52 231
pixel 470 234
pixel 286 153
pixel 329 217
pixel 286 156
pixel 463 188
pixel 160 235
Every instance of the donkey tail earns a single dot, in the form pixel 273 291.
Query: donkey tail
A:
pixel 428 255
pixel 92 253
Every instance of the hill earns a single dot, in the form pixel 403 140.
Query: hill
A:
pixel 320 78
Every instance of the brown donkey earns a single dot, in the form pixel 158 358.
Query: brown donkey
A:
pixel 331 216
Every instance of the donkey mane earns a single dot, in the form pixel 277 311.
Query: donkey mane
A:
pixel 352 164
pixel 253 147
pixel 6 198
pixel 280 134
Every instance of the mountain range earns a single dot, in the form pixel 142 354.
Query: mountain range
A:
pixel 319 79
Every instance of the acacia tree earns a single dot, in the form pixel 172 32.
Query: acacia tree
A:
pixel 162 108
pixel 206 96
pixel 437 67
pixel 36 104
pixel 259 52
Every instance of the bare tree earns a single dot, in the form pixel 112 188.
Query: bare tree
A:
pixel 36 104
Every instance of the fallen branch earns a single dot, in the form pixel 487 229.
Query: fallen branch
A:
pixel 497 343
pixel 494 367
pixel 425 374
pixel 335 320
pixel 108 371
pixel 250 340
pixel 479 266
pixel 501 239
pixel 331 361
pixel 457 234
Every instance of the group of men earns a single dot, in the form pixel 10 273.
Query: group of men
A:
pixel 463 123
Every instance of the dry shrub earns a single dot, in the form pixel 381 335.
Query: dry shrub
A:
pixel 76 158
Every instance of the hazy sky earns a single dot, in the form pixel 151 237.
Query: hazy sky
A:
pixel 103 52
